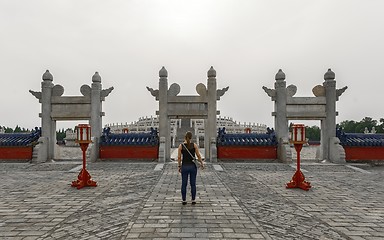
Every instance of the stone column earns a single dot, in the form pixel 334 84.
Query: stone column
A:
pixel 163 114
pixel 212 110
pixel 330 109
pixel 281 122
pixel 53 140
pixel 46 121
pixel 96 123
pixel 206 138
pixel 323 142
pixel 96 119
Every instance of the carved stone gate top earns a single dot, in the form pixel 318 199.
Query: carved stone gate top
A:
pixel 173 106
pixel 321 107
pixel 55 107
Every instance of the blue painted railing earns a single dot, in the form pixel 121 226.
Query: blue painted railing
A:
pixel 20 139
pixel 129 139
pixel 360 139
pixel 246 139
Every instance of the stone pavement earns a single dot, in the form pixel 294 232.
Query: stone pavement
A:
pixel 141 200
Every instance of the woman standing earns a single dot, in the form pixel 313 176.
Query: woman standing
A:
pixel 187 167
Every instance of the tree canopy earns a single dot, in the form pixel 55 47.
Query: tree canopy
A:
pixel 350 126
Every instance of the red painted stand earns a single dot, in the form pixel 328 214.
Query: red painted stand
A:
pixel 84 178
pixel 298 179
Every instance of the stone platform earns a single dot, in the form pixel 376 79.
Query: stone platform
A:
pixel 136 200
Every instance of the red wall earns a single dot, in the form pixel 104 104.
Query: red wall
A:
pixel 363 153
pixel 129 152
pixel 17 153
pixel 246 152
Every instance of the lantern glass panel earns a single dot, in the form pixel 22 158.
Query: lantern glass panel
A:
pixel 83 133
pixel 298 133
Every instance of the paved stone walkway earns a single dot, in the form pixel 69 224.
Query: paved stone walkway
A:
pixel 235 201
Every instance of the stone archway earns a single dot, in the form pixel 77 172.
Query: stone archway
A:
pixel 173 106
pixel 55 107
pixel 321 107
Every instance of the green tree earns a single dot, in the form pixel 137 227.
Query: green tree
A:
pixel 380 127
pixel 60 135
pixel 348 126
pixel 313 133
pixel 17 129
pixel 366 122
pixel 8 130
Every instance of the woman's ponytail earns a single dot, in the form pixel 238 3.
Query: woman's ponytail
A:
pixel 188 137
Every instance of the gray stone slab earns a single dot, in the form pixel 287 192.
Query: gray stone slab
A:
pixel 217 167
pixel 243 201
pixel 159 167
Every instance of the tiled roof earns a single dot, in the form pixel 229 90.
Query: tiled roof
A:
pixel 129 139
pixel 361 139
pixel 19 139
pixel 246 139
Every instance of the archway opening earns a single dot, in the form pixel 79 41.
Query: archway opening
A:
pixel 66 149
pixel 311 149
pixel 178 129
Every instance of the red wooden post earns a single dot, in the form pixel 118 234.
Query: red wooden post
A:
pixel 83 132
pixel 298 139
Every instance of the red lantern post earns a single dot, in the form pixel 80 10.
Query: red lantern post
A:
pixel 83 133
pixel 298 139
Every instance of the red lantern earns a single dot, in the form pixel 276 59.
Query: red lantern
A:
pixel 83 133
pixel 298 139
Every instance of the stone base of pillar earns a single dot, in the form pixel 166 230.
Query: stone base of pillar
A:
pixel 162 157
pixel 319 155
pixel 336 151
pixel 35 153
pixel 56 151
pixel 284 153
pixel 40 151
pixel 93 150
pixel 213 151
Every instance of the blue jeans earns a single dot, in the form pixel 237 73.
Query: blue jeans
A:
pixel 190 170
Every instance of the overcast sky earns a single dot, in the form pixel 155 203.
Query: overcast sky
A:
pixel 246 41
